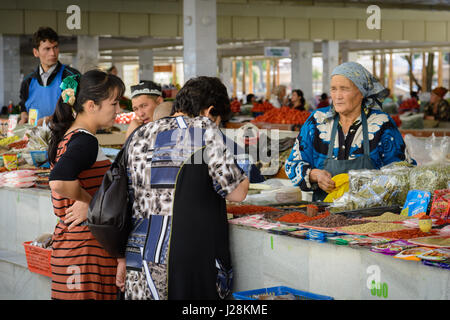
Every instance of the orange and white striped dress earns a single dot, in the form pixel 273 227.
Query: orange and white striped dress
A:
pixel 81 268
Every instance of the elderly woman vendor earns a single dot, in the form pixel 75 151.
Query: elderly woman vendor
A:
pixel 352 133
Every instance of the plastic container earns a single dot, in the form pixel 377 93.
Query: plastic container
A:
pixel 38 259
pixel 278 291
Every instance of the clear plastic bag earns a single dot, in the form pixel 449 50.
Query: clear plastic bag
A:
pixel 428 150
pixel 388 186
pixel 431 177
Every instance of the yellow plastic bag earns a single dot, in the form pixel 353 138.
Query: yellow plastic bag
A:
pixel 342 186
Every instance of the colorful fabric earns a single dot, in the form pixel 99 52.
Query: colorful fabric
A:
pixel 442 110
pixel 311 146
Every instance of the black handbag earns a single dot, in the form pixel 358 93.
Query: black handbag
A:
pixel 109 214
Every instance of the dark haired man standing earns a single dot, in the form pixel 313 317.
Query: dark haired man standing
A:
pixel 40 89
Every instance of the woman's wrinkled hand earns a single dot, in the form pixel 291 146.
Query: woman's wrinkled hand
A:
pixel 76 214
pixel 323 179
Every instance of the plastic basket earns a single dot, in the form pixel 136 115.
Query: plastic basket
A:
pixel 38 259
pixel 278 291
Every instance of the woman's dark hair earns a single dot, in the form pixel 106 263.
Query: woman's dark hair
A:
pixel 249 98
pixel 324 96
pixel 300 94
pixel 44 33
pixel 199 94
pixel 94 85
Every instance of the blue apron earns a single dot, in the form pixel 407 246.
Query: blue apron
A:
pixel 44 98
pixel 336 167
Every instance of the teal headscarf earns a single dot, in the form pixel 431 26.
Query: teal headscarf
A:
pixel 368 85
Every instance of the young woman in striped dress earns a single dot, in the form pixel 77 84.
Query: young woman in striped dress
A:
pixel 81 268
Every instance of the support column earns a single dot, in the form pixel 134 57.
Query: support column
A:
pixel 243 78
pixel 383 69
pixel 374 65
pixel 440 69
pixel 330 57
pixel 424 72
pixel 391 74
pixel 9 70
pixel 87 53
pixel 250 76
pixel 302 68
pixel 226 76
pixel 234 79
pixel 268 88
pixel 174 73
pixel 146 64
pixel 200 38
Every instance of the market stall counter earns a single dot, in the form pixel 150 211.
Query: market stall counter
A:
pixel 25 214
pixel 261 260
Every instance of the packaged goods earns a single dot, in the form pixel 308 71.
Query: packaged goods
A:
pixel 10 161
pixel 440 207
pixel 412 254
pixel 43 241
pixel 19 179
pixel 375 188
pixel 434 241
pixel 392 248
pixel 436 255
pixel 430 177
pixel 8 140
pixel 301 234
pixel 438 264
pixel 416 202
pixel 282 230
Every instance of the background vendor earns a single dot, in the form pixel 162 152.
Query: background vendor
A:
pixel 40 90
pixel 352 133
pixel 438 108
pixel 145 97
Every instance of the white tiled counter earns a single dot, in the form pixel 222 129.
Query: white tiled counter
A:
pixel 24 215
pixel 260 259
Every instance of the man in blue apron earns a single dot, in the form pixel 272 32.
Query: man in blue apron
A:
pixel 353 133
pixel 40 90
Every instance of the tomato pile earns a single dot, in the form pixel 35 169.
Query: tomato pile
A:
pixel 283 115
pixel 235 106
pixel 262 107
pixel 125 118
pixel 409 105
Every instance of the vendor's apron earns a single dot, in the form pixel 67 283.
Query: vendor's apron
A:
pixel 336 167
pixel 44 98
